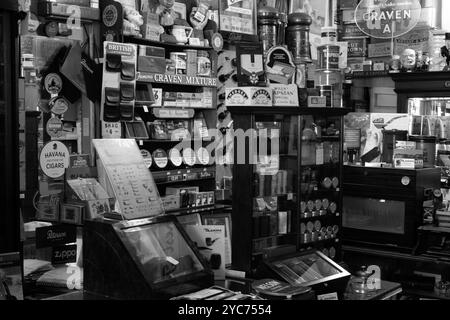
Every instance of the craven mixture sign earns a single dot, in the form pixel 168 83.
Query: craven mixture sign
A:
pixel 387 18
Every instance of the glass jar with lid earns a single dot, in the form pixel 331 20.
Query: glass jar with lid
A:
pixel 203 64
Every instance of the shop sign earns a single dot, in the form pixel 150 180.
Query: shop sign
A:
pixel 54 127
pixel 64 254
pixel 387 19
pixel 167 113
pixel 54 159
pixel 111 130
pixel 55 236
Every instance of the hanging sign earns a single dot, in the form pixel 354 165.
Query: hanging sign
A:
pixel 54 159
pixel 387 19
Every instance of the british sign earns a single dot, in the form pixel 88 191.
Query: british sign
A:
pixel 387 19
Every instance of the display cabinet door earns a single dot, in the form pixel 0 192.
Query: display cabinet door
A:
pixel 9 189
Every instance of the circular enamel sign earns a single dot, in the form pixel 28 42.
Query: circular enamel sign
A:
pixel 54 159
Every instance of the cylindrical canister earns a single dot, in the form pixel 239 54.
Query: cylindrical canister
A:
pixel 269 25
pixel 428 145
pixel 297 37
pixel 328 57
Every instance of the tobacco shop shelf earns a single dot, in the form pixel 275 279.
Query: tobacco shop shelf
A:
pixel 315 243
pixel 187 211
pixel 184 175
pixel 148 104
pixel 324 217
pixel 327 112
pixel 177 79
pixel 370 74
pixel 172 46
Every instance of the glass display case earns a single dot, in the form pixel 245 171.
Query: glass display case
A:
pixel 425 97
pixel 147 259
pixel 287 166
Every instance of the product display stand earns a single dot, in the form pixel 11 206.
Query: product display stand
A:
pixel 289 200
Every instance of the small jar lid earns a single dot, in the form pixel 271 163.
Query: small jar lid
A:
pixel 268 13
pixel 299 18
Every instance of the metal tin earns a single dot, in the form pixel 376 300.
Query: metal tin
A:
pixel 302 207
pixel 297 37
pixel 180 62
pixel 191 62
pixel 328 57
pixel 335 182
pixel 330 232
pixel 325 203
pixel 204 66
pixel 306 237
pixel 327 92
pixel 332 253
pixel 317 225
pixel 333 207
pixel 323 232
pixel 318 204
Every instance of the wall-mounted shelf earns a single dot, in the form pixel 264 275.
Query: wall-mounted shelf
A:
pixel 184 175
pixel 171 46
pixel 370 74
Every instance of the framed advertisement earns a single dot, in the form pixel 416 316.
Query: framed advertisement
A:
pixel 238 20
pixel 221 219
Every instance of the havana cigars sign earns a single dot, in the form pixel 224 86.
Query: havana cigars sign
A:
pixel 387 19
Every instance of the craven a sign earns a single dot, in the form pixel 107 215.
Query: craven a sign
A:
pixel 387 19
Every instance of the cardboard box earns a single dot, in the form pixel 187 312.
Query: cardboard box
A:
pixel 317 102
pixel 357 48
pixel 171 202
pixel 285 95
pixel 408 159
pixel 381 49
pixel 151 64
pixel 249 96
pixel 90 193
pixel 72 213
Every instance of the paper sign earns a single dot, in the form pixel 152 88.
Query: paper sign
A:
pixel 210 242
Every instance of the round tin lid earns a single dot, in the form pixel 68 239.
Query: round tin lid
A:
pixel 299 18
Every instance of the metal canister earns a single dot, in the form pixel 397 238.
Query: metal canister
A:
pixel 191 62
pixel 297 37
pixel 269 27
pixel 180 61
